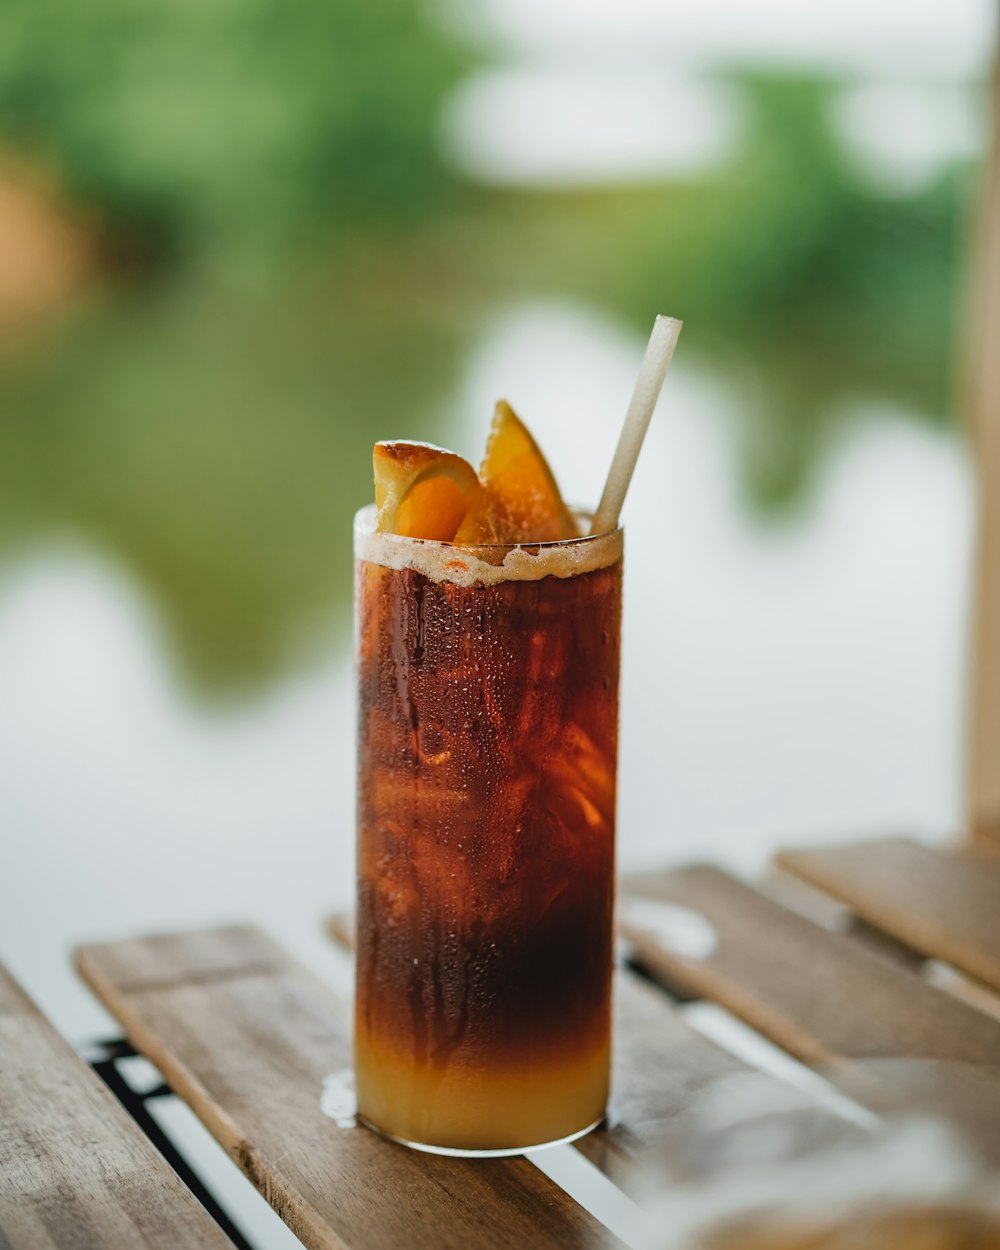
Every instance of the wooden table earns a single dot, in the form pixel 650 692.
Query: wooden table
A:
pixel 884 967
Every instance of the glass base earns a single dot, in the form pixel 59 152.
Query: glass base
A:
pixel 460 1153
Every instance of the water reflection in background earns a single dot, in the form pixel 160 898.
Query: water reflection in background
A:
pixel 782 680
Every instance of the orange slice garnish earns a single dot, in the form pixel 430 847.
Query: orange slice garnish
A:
pixel 479 526
pixel 423 491
pixel 525 500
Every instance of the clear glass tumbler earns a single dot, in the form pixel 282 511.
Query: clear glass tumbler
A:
pixel 487 751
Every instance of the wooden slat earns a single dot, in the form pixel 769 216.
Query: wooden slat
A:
pixel 946 907
pixel 819 994
pixel 965 1096
pixel 660 1068
pixel 248 1046
pixel 200 957
pixel 821 908
pixel 75 1169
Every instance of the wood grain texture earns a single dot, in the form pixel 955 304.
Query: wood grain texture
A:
pixel 75 1170
pixel 820 995
pixel 945 906
pixel 660 1067
pixel 248 1047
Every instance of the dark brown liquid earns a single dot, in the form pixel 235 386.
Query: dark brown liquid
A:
pixel 487 749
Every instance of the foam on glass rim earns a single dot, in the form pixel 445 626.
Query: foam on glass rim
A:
pixel 488 564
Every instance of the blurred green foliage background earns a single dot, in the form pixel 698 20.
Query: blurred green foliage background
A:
pixel 265 208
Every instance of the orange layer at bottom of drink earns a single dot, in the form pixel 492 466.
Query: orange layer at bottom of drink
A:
pixel 481 1108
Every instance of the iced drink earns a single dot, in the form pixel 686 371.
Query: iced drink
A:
pixel 488 717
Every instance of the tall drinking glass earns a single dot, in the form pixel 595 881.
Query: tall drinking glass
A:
pixel 487 749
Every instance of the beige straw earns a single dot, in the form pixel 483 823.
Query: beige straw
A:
pixel 648 384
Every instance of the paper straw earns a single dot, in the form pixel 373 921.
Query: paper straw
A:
pixel 648 384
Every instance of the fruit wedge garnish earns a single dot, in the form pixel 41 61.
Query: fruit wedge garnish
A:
pixel 479 526
pixel 525 500
pixel 423 491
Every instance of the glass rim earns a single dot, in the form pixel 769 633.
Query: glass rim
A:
pixel 367 513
